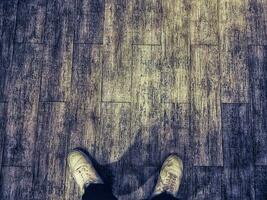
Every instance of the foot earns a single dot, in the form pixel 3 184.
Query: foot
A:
pixel 82 170
pixel 170 176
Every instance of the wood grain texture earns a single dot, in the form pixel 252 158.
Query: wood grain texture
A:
pixel 171 135
pixel 89 23
pixel 3 120
pixel 204 22
pixel 238 172
pixel 8 11
pixel 207 183
pixel 117 63
pixel 116 133
pixel 130 82
pixel 258 99
pixel 85 103
pixel 24 88
pixel 257 22
pixel 50 152
pixel 176 53
pixel 58 51
pixel 30 21
pixel 115 119
pixel 260 182
pixel 205 112
pixel 233 51
pixel 16 183
pixel 84 107
pixel 59 28
pixel 56 73
pixel 146 109
pixel 147 22
pixel 146 94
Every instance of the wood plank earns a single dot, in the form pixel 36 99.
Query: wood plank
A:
pixel 117 63
pixel 8 11
pixel 3 120
pixel 59 34
pixel 56 73
pixel 233 51
pixel 59 28
pixel 206 118
pixel 23 87
pixel 145 120
pixel 174 131
pixel 204 22
pixel 50 152
pixel 238 152
pixel 115 132
pixel 257 22
pixel 233 10
pixel 116 135
pixel 207 183
pixel 85 101
pixel 147 22
pixel 30 21
pixel 260 182
pixel 176 53
pixel 258 99
pixel 16 183
pixel 84 106
pixel 146 101
pixel 89 24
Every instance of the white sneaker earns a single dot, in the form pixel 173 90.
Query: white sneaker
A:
pixel 170 176
pixel 82 170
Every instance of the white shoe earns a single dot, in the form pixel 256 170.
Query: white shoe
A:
pixel 82 170
pixel 170 176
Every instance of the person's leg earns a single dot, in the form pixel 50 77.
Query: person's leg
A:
pixel 98 192
pixel 169 179
pixel 90 183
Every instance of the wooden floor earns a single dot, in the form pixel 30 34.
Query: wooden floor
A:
pixel 131 81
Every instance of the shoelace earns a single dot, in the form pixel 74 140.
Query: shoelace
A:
pixel 169 182
pixel 84 173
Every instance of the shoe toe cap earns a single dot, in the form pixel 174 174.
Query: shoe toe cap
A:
pixel 175 161
pixel 74 157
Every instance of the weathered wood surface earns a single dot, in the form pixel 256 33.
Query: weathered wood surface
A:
pixel 233 51
pixel 16 182
pixel 258 97
pixel 238 178
pixel 23 86
pixel 50 148
pixel 84 108
pixel 7 31
pixel 260 182
pixel 60 22
pixel 117 52
pixel 130 82
pixel 3 109
pixel 206 107
pixel 175 52
pixel 30 21
pixel 147 22
pixel 89 21
pixel 204 22
pixel 207 183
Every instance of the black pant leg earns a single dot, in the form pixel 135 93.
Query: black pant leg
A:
pixel 164 196
pixel 98 192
